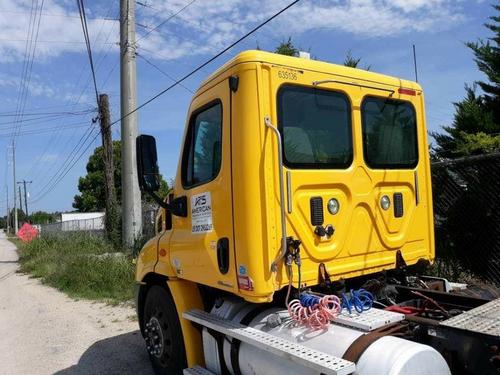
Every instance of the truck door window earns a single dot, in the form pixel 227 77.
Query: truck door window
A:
pixel 315 126
pixel 202 152
pixel 389 133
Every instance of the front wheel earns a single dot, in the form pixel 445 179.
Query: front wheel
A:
pixel 163 333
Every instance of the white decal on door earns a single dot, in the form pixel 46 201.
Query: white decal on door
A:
pixel 201 213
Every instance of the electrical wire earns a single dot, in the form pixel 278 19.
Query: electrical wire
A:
pixel 180 80
pixel 163 72
pixel 69 164
pixel 47 130
pixel 58 135
pixel 27 70
pixel 83 19
pixel 73 161
pixel 66 165
pixel 166 20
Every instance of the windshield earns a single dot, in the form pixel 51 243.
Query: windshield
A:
pixel 316 127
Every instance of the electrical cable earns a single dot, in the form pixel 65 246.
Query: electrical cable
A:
pixel 166 20
pixel 54 140
pixel 28 61
pixel 360 300
pixel 66 165
pixel 83 19
pixel 175 84
pixel 163 72
pixel 180 80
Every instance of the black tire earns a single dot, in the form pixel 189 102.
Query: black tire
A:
pixel 160 305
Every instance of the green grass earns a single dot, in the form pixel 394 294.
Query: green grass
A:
pixel 81 265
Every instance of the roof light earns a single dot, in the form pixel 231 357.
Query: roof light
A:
pixel 304 55
pixel 407 91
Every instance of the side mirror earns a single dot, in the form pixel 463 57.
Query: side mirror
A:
pixel 147 163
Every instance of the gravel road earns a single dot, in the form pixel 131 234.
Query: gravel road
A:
pixel 42 331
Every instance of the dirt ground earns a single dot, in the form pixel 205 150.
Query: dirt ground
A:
pixel 42 331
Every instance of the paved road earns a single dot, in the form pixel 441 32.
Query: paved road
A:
pixel 42 331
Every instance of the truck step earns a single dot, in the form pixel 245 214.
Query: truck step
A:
pixel 197 370
pixel 368 320
pixel 484 319
pixel 314 359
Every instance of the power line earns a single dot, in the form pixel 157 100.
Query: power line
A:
pixel 207 62
pixel 67 165
pixel 166 20
pixel 54 181
pixel 29 64
pixel 163 72
pixel 47 130
pixel 54 140
pixel 83 19
pixel 68 113
pixel 59 15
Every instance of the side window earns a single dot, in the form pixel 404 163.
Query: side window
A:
pixel 202 152
pixel 389 133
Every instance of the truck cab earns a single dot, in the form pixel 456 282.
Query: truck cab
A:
pixel 354 164
pixel 294 175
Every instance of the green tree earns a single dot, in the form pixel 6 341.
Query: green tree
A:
pixel 353 62
pixel 287 48
pixel 91 186
pixel 476 122
pixel 42 217
pixel 487 58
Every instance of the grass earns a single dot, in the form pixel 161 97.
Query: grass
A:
pixel 81 265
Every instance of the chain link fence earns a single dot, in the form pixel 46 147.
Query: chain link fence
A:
pixel 94 226
pixel 466 194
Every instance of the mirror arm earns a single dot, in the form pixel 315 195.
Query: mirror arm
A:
pixel 158 200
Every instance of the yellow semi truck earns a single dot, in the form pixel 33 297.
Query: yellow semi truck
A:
pixel 292 241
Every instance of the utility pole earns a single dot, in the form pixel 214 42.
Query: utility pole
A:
pixel 131 195
pixel 24 182
pixel 20 199
pixel 14 184
pixel 8 208
pixel 111 216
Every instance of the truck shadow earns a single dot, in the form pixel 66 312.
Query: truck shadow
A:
pixel 122 354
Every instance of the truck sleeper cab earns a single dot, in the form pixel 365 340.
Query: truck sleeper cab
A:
pixel 351 185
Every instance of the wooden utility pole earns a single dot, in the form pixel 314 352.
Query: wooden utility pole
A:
pixel 131 194
pixel 8 207
pixel 24 182
pixel 20 199
pixel 111 218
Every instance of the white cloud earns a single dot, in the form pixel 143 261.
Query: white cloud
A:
pixel 60 30
pixel 207 26
pixel 212 25
pixel 36 87
pixel 48 158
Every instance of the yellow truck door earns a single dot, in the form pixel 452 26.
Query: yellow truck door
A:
pixel 201 245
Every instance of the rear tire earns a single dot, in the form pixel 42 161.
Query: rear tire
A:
pixel 163 333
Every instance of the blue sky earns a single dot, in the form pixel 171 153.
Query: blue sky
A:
pixel 381 32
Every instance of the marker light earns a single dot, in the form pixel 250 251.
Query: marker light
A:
pixel 385 202
pixel 407 91
pixel 333 206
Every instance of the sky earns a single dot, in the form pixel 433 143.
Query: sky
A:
pixel 173 37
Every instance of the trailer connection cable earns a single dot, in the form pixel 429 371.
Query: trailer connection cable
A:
pixel 360 300
pixel 314 311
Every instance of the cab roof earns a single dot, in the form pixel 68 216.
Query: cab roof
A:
pixel 310 65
